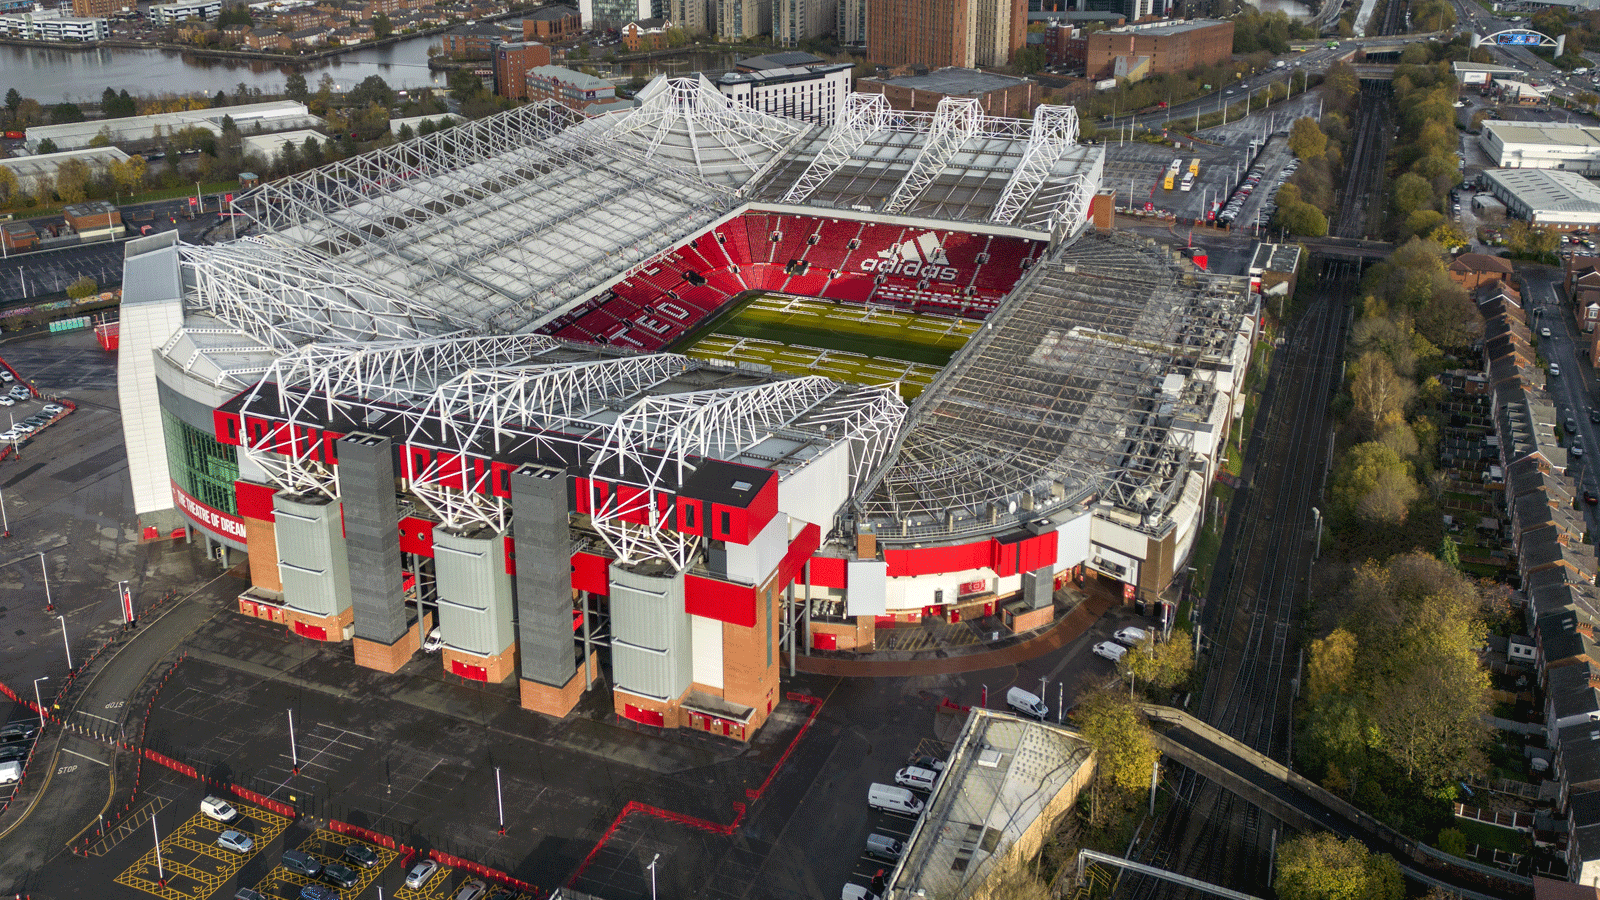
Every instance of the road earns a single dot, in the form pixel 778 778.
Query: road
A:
pixel 1570 390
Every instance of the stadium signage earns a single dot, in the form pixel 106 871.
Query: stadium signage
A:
pixel 910 268
pixel 213 520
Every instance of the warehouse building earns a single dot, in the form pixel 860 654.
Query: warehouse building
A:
pixel 468 419
pixel 1542 145
pixel 276 115
pixel 1555 199
pixel 30 169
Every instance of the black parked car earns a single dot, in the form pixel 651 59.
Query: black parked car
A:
pixel 361 855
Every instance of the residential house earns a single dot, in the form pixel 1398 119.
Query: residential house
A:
pixel 1586 306
pixel 1584 270
pixel 306 38
pixel 1572 697
pixel 1565 637
pixel 1470 270
pixel 265 39
pixel 1583 838
pixel 646 34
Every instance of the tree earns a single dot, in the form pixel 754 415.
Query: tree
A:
pixel 1410 193
pixel 1165 665
pixel 1380 393
pixel 1373 485
pixel 62 113
pixel 13 101
pixel 238 14
pixel 1303 219
pixel 372 90
pixel 406 133
pixel 83 287
pixel 311 152
pixel 9 192
pixel 1448 236
pixel 1030 59
pixel 294 87
pixel 381 26
pixel 72 180
pixel 1330 666
pixel 1448 554
pixel 1306 139
pixel 1320 866
pixel 102 138
pixel 1123 744
pixel 47 146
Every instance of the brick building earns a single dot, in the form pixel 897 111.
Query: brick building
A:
pixel 646 34
pixel 1001 95
pixel 552 23
pixel 576 90
pixel 473 41
pixel 103 9
pixel 511 65
pixel 1171 47
pixel 945 33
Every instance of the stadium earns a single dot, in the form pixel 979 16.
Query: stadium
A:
pixel 658 398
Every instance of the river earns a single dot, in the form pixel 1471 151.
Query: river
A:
pixel 51 76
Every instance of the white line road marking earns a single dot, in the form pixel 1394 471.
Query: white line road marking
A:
pixel 89 758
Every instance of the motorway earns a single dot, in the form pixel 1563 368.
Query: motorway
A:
pixel 1571 390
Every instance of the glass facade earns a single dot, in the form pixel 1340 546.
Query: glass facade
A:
pixel 202 467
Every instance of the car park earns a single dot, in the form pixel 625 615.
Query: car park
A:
pixel 420 873
pixel 885 848
pixel 472 890
pixel 361 855
pixel 318 892
pixel 924 761
pixel 340 875
pixel 219 809
pixel 17 751
pixel 237 841
pixel 1130 636
pixel 54 408
pixel 1110 650
pixel 245 893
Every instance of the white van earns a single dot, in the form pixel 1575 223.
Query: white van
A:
pixel 10 771
pixel 916 778
pixel 1026 703
pixel 893 799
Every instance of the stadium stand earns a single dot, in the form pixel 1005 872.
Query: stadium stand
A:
pixel 915 269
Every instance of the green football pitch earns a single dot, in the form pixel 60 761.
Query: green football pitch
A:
pixel 846 341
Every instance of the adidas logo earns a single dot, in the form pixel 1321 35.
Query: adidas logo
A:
pixel 925 248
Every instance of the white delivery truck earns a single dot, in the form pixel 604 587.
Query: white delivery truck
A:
pixel 893 799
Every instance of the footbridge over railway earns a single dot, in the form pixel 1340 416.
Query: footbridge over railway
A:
pixel 1305 805
pixel 1348 248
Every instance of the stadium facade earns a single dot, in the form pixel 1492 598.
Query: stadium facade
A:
pixel 431 389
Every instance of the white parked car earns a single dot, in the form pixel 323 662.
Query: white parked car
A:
pixel 434 641
pixel 1130 636
pixel 53 408
pixel 219 809
pixel 236 841
pixel 1110 650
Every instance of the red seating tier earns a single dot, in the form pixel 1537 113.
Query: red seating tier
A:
pixel 646 310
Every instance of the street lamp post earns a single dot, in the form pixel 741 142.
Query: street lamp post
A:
pixel 294 755
pixel 37 701
pixel 653 862
pixel 64 643
pixel 499 802
pixel 161 872
pixel 49 605
pixel 4 520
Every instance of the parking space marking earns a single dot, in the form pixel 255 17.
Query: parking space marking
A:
pixel 193 866
pixel 435 888
pixel 327 847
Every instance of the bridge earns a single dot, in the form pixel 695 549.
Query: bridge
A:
pixel 1306 805
pixel 1348 248
pixel 1521 37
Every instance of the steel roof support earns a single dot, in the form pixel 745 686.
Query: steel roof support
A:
pixel 863 114
pixel 956 120
pixel 1055 128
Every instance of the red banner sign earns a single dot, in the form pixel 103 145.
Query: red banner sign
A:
pixel 215 521
pixel 973 587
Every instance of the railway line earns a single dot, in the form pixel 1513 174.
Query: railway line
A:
pixel 1251 616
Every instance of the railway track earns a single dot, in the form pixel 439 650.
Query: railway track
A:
pixel 1252 612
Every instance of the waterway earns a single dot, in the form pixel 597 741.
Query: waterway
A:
pixel 51 76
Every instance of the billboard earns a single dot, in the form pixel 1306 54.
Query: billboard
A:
pixel 1532 39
